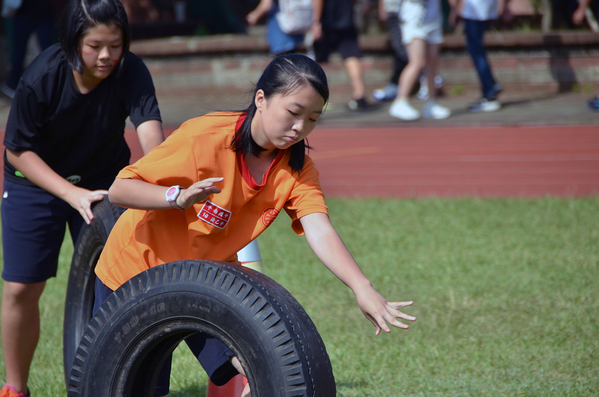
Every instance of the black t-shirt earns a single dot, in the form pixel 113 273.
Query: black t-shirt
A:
pixel 337 15
pixel 79 136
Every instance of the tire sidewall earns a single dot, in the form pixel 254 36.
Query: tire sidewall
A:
pixel 278 345
pixel 80 286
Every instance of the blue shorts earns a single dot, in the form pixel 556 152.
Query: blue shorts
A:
pixel 279 41
pixel 33 228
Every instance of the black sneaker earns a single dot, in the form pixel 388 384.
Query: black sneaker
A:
pixel 360 105
pixel 485 105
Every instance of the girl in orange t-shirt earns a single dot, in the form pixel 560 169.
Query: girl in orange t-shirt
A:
pixel 223 161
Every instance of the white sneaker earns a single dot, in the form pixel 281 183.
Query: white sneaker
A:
pixel 485 105
pixel 385 94
pixel 402 109
pixel 422 93
pixel 432 110
pixel 439 81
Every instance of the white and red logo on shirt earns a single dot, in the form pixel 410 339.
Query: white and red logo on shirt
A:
pixel 214 215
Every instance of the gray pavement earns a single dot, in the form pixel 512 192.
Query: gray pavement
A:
pixel 533 107
pixel 520 107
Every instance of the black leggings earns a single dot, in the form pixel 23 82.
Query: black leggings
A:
pixel 400 55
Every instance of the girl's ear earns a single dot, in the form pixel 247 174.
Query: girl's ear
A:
pixel 260 100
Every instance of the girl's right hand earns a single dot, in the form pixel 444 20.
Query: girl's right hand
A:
pixel 197 192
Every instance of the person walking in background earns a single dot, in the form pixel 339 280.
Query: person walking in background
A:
pixel 32 16
pixel 65 144
pixel 333 29
pixel 388 11
pixel 389 15
pixel 578 17
pixel 287 22
pixel 476 15
pixel 422 34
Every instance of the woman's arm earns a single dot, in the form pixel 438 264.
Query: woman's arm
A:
pixel 263 7
pixel 316 28
pixel 150 135
pixel 37 171
pixel 330 249
pixel 138 194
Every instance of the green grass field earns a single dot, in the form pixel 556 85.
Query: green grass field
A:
pixel 506 293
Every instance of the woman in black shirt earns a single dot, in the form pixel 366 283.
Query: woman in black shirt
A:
pixel 64 146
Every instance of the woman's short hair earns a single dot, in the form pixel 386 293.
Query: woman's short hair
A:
pixel 283 75
pixel 81 15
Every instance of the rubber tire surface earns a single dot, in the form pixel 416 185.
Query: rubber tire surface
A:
pixel 133 332
pixel 80 287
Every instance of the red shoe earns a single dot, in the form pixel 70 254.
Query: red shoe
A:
pixel 9 391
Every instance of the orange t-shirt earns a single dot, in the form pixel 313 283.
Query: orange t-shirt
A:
pixel 218 227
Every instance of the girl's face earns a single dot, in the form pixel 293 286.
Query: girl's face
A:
pixel 100 49
pixel 283 120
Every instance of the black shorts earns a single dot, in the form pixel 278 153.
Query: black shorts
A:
pixel 343 41
pixel 34 224
pixel 33 229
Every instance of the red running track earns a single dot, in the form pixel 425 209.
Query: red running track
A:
pixel 505 161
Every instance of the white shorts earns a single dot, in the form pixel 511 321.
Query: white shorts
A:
pixel 415 23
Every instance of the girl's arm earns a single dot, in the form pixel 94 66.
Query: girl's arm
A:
pixel 330 249
pixel 150 135
pixel 37 171
pixel 263 7
pixel 316 28
pixel 138 194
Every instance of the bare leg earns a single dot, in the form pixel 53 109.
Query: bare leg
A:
pixel 239 368
pixel 416 62
pixel 20 330
pixel 235 362
pixel 356 77
pixel 432 64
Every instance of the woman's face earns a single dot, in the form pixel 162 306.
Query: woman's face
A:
pixel 100 49
pixel 286 119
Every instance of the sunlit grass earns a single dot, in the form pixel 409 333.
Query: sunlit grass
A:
pixel 506 294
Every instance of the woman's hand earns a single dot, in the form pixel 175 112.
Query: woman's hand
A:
pixel 380 312
pixel 579 15
pixel 82 199
pixel 197 192
pixel 37 171
pixel 252 18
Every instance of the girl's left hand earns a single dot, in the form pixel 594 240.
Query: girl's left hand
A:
pixel 380 312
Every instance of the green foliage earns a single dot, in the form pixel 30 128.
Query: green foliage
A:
pixel 457 90
pixel 505 292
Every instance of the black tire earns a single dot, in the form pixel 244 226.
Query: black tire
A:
pixel 80 287
pixel 137 327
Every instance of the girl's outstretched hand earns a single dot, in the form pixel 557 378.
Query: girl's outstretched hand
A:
pixel 380 312
pixel 197 192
